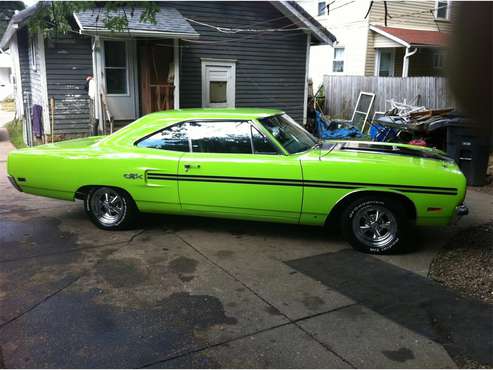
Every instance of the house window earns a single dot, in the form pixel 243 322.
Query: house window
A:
pixel 438 60
pixel 442 10
pixel 115 67
pixel 33 53
pixel 338 62
pixel 322 7
pixel 218 83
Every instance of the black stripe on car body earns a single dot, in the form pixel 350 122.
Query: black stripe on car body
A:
pixel 306 183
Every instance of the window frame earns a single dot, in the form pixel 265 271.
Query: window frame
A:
pixel 321 11
pixel 127 74
pixel 447 10
pixel 230 66
pixel 338 60
pixel 251 123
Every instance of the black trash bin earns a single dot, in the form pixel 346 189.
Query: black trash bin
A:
pixel 470 150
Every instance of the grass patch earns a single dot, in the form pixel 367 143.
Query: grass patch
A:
pixel 14 129
pixel 7 105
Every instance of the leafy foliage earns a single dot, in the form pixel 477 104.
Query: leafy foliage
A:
pixel 54 18
pixel 7 9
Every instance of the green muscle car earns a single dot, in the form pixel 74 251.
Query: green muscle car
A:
pixel 254 164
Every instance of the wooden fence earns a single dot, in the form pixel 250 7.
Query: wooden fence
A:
pixel 341 92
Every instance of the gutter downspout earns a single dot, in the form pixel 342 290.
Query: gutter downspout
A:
pixel 405 64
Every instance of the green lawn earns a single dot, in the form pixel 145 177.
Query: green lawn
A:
pixel 14 129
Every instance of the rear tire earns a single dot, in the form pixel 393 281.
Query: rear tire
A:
pixel 110 208
pixel 376 225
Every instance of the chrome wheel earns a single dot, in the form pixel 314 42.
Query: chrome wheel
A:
pixel 108 206
pixel 375 226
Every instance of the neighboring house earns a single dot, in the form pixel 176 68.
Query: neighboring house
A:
pixel 6 89
pixel 184 60
pixel 7 9
pixel 411 44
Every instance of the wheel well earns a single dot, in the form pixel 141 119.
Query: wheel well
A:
pixel 337 210
pixel 82 192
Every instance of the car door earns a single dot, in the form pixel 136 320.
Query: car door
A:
pixel 158 158
pixel 233 170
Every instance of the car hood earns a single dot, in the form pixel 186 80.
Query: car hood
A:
pixel 384 148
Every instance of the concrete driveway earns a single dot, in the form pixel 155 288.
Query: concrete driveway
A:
pixel 190 292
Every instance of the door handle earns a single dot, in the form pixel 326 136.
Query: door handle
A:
pixel 189 166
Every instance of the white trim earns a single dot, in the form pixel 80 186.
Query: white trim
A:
pixel 176 62
pixel 127 66
pixel 378 52
pixel 32 52
pixel 138 33
pixel 19 98
pixel 307 66
pixel 286 6
pixel 389 36
pixel 231 83
pixel 44 84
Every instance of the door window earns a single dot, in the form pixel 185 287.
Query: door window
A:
pixel 386 63
pixel 172 138
pixel 262 145
pixel 115 67
pixel 220 137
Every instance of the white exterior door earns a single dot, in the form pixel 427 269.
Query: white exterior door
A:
pixel 119 71
pixel 218 83
pixel 385 60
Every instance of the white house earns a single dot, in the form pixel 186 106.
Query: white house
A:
pixel 409 41
pixel 6 89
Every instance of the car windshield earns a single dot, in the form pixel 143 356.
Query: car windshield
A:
pixel 288 133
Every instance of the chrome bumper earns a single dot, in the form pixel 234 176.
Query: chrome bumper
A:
pixel 14 183
pixel 460 211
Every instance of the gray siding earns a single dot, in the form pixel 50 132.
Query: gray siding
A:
pixel 68 63
pixel 270 67
pixel 23 46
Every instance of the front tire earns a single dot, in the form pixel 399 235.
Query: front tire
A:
pixel 110 208
pixel 376 225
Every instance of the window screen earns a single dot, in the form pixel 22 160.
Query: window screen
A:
pixel 221 137
pixel 172 138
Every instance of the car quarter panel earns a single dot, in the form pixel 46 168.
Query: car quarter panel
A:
pixel 330 177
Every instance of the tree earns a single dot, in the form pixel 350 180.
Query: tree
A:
pixel 54 18
pixel 7 9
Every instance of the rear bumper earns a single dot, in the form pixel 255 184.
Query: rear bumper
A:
pixel 460 211
pixel 14 183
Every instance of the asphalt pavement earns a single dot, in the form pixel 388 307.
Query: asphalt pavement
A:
pixel 192 292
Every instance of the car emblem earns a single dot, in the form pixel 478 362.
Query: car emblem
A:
pixel 132 176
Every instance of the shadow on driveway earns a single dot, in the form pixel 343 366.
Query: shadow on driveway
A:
pixel 463 326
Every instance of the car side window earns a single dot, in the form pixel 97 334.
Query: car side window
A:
pixel 220 137
pixel 261 144
pixel 173 138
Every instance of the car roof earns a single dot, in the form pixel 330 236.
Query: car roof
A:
pixel 159 120
pixel 217 113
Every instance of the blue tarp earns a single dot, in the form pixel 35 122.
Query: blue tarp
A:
pixel 323 131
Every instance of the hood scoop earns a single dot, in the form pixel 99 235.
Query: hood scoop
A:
pixel 392 149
